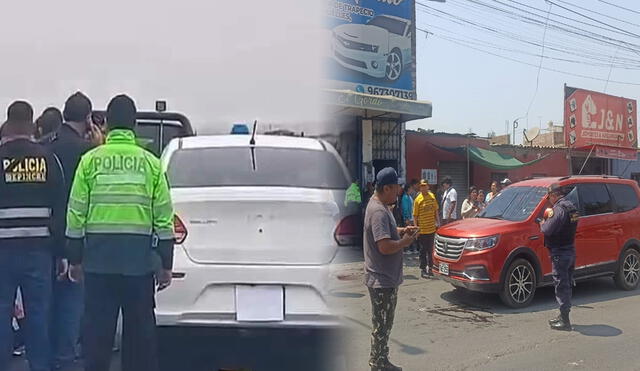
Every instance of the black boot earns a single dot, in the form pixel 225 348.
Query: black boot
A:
pixel 391 367
pixel 564 324
pixel 555 320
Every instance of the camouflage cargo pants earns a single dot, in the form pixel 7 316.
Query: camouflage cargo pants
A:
pixel 383 307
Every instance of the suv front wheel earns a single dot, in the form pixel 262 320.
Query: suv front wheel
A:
pixel 519 284
pixel 628 275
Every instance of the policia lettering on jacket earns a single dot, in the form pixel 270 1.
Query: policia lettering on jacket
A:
pixel 32 209
pixel 25 170
pixel 120 163
pixel 120 230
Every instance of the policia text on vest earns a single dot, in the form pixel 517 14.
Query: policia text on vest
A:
pixel 27 169
pixel 120 202
pixel 120 228
pixel 32 208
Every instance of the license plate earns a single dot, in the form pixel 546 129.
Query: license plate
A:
pixel 259 303
pixel 444 269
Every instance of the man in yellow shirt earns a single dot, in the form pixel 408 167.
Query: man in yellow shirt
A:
pixel 426 217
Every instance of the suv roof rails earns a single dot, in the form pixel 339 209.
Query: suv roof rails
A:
pixel 604 176
pixel 535 177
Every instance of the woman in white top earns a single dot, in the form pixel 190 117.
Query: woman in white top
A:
pixel 470 205
pixel 493 193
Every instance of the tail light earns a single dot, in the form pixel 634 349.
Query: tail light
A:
pixel 180 230
pixel 348 230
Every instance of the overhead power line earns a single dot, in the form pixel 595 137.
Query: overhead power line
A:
pixel 598 13
pixel 588 52
pixel 593 19
pixel 544 36
pixel 569 29
pixel 482 43
pixel 530 64
pixel 619 6
pixel 609 29
pixel 556 43
pixel 610 70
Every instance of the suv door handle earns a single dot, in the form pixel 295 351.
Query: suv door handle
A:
pixel 534 237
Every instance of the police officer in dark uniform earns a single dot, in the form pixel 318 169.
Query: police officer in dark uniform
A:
pixel 32 212
pixel 559 228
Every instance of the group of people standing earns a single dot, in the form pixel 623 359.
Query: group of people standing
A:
pixel 397 217
pixel 83 235
pixel 417 205
pixel 476 201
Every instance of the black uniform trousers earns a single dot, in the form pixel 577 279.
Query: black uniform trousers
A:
pixel 105 296
pixel 563 266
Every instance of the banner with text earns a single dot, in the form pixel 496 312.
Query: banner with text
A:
pixel 372 46
pixel 592 118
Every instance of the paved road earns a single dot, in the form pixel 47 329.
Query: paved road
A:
pixel 439 328
pixel 192 349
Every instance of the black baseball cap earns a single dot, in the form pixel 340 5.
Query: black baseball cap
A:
pixel 20 112
pixel 447 180
pixel 557 188
pixel 19 117
pixel 387 176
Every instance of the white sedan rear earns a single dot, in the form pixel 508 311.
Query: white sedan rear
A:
pixel 255 231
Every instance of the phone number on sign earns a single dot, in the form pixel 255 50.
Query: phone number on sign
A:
pixel 396 93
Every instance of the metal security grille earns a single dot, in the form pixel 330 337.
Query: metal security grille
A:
pixel 457 171
pixel 386 140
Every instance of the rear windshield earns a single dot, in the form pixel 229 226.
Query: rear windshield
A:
pixel 514 203
pixel 275 167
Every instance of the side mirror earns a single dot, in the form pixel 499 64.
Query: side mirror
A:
pixel 538 220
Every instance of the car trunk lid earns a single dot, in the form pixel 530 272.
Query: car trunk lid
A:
pixel 257 225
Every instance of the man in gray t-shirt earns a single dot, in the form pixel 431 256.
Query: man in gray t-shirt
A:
pixel 383 245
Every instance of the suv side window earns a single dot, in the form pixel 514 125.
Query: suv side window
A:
pixel 573 197
pixel 594 199
pixel 624 195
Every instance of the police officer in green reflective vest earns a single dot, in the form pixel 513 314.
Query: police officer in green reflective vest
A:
pixel 353 194
pixel 119 220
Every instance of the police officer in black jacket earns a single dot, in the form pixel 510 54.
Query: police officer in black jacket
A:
pixel 559 228
pixel 32 212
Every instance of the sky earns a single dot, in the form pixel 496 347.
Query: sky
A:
pixel 218 62
pixel 474 91
pixel 226 61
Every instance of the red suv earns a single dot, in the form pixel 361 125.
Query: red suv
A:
pixel 502 250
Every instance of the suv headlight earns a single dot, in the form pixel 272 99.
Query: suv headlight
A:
pixel 478 244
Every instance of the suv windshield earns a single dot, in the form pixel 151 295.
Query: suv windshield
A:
pixel 514 203
pixel 392 25
pixel 275 167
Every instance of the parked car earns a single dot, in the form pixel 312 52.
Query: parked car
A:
pixel 156 129
pixel 502 250
pixel 255 229
pixel 380 48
